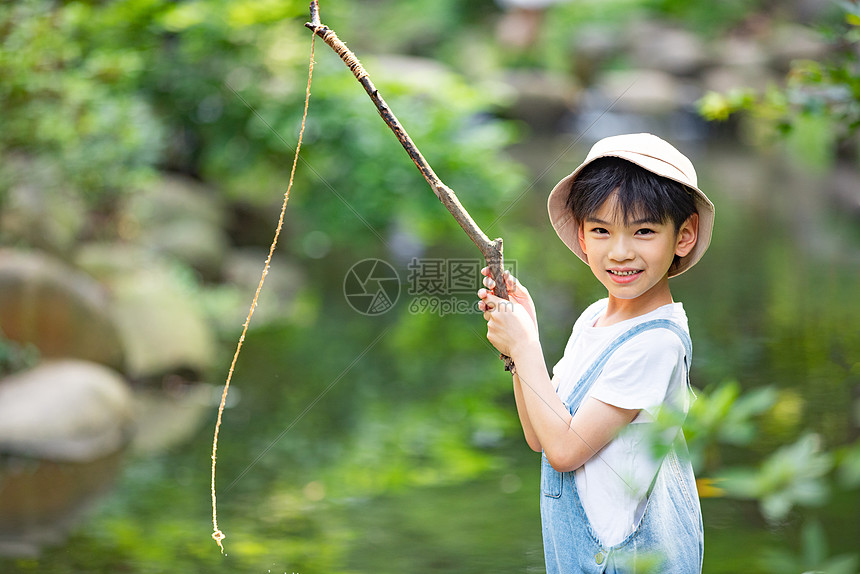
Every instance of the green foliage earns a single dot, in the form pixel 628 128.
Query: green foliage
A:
pixel 707 17
pixel 816 110
pixel 793 475
pixel 718 107
pixel 71 104
pixel 359 167
pixel 849 465
pixel 108 93
pixel 813 556
pixel 724 415
pixel 15 357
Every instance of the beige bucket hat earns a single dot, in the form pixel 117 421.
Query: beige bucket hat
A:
pixel 655 155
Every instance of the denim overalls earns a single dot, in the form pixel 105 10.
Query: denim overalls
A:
pixel 669 538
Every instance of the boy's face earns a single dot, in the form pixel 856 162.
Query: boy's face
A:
pixel 632 259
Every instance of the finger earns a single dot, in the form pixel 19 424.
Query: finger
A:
pixel 489 283
pixel 485 271
pixel 482 293
pixel 493 300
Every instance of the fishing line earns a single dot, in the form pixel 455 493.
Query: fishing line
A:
pixel 217 534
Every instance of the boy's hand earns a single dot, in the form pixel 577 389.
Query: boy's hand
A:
pixel 510 324
pixel 517 292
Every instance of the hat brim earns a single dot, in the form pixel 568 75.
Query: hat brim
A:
pixel 568 231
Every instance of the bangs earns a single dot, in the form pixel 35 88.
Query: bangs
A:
pixel 636 193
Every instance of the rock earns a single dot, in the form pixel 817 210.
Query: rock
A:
pixel 725 78
pixel 64 410
pixel 843 186
pixel 169 417
pixel 64 426
pixel 591 47
pixel 60 310
pixel 156 307
pixel 541 98
pixel 740 62
pixel 788 42
pixel 182 218
pixel 645 91
pixel 519 26
pixel 283 282
pixel 108 262
pixel 40 209
pixel 667 49
pixel 811 12
pixel 741 51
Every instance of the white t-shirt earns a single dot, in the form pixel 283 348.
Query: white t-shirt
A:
pixel 645 373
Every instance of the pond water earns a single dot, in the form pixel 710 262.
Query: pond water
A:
pixel 409 459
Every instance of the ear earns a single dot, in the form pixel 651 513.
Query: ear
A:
pixel 687 236
pixel 580 234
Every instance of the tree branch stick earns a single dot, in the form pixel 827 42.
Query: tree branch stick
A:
pixel 491 249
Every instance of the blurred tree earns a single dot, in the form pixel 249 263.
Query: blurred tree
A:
pixel 109 93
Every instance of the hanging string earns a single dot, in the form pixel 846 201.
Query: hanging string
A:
pixel 217 534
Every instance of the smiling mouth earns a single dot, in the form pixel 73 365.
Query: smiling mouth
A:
pixel 624 273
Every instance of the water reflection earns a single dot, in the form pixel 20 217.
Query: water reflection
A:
pixel 389 469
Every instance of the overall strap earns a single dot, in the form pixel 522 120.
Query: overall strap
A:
pixel 580 390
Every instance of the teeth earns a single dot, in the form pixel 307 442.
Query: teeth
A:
pixel 623 273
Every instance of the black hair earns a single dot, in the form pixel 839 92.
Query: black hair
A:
pixel 641 194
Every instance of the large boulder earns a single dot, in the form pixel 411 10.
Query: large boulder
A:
pixel 58 309
pixel 63 428
pixel 739 62
pixel 157 309
pixel 65 410
pixel 645 91
pixel 541 99
pixel 662 47
pixel 181 218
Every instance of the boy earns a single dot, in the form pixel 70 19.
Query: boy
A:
pixel 634 214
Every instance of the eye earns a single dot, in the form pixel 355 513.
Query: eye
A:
pixel 645 231
pixel 599 230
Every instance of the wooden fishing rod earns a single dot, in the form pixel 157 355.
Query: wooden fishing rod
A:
pixel 491 249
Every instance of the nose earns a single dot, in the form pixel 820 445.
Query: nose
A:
pixel 621 249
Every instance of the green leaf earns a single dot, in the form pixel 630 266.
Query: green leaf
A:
pixel 814 543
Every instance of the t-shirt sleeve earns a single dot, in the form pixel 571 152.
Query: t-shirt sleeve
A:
pixel 643 373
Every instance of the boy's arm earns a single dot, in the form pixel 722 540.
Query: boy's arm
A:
pixel 567 441
pixel 518 294
pixel 528 431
